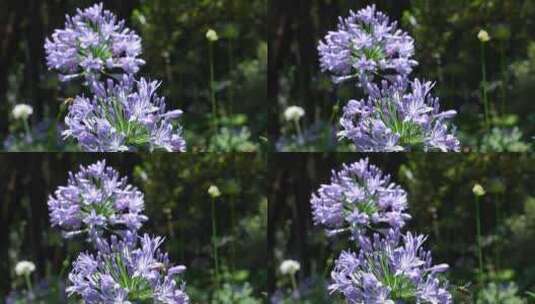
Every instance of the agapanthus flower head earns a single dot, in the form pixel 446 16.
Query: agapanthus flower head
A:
pixel 97 200
pixel 366 44
pixel 93 41
pixel 399 116
pixel 393 268
pixel 359 197
pixel 124 116
pixel 128 272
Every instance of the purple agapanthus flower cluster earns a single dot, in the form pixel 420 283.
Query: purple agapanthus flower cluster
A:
pixel 366 44
pixel 399 114
pixel 125 267
pixel 96 200
pixel 127 116
pixel 123 272
pixel 359 196
pixel 124 113
pixel 93 41
pixel 389 266
pixel 390 269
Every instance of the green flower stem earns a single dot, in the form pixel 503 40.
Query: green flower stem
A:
pixel 231 66
pixel 479 251
pixel 298 129
pixel 294 282
pixel 28 282
pixel 214 243
pixel 170 228
pixel 62 109
pixel 232 224
pixel 336 108
pixel 498 222
pixel 505 77
pixel 328 264
pixel 26 127
pixel 484 85
pixel 212 89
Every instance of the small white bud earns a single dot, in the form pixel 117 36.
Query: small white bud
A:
pixel 478 190
pixel 213 191
pixel 483 36
pixel 22 111
pixel 24 268
pixel 293 113
pixel 289 267
pixel 211 35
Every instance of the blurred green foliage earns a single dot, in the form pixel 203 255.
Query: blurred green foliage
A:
pixel 176 50
pixel 450 53
pixel 495 294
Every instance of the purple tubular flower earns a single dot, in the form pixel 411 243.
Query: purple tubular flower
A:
pixel 365 44
pixel 391 269
pixel 398 116
pixel 123 272
pixel 93 41
pixel 359 196
pixel 95 200
pixel 127 116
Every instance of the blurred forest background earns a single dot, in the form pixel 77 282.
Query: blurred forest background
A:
pixel 447 49
pixel 442 205
pixel 178 207
pixel 176 50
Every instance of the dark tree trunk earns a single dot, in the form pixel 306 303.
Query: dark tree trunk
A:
pixel 35 53
pixel 11 14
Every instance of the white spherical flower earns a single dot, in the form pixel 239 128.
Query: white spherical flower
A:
pixel 22 111
pixel 293 113
pixel 24 268
pixel 289 267
pixel 478 190
pixel 483 36
pixel 213 191
pixel 211 35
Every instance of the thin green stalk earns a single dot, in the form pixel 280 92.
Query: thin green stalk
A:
pixel 212 89
pixel 504 77
pixel 214 243
pixel 294 282
pixel 328 264
pixel 484 85
pixel 62 108
pixel 336 107
pixel 66 262
pixel 28 282
pixel 298 129
pixel 170 228
pixel 499 205
pixel 496 249
pixel 479 251
pixel 26 127
pixel 231 66
pixel 233 243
